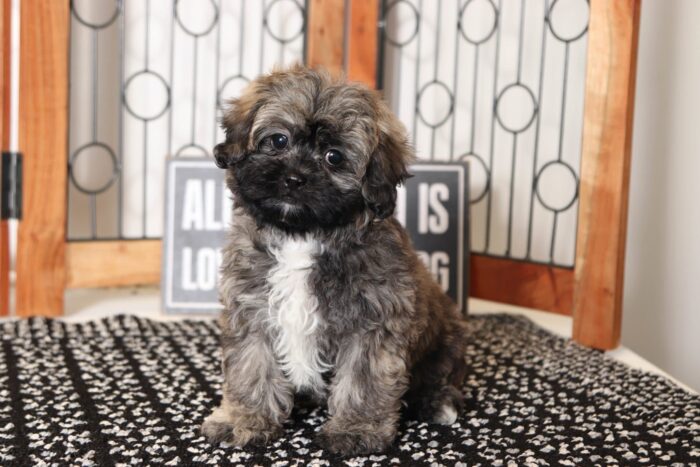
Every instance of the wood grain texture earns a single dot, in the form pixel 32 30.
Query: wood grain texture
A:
pixel 522 283
pixel 363 37
pixel 5 57
pixel 43 132
pixel 605 170
pixel 324 36
pixel 5 62
pixel 113 263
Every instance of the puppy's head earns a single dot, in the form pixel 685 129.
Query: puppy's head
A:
pixel 305 151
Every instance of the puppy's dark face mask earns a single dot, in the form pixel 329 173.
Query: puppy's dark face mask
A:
pixel 304 152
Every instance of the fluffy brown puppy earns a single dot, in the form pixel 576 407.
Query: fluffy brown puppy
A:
pixel 323 292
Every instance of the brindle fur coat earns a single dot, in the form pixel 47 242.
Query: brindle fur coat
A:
pixel 323 293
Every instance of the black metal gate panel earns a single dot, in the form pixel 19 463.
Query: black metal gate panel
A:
pixel 148 79
pixel 498 83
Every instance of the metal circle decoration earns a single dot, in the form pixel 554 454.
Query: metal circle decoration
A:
pixel 516 108
pixel 476 10
pixel 82 18
pixel 434 89
pixel 192 150
pixel 556 186
pixel 142 84
pixel 396 41
pixel 278 35
pixel 477 171
pixel 93 151
pixel 237 83
pixel 197 30
pixel 568 19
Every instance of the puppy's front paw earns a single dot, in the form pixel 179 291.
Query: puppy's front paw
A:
pixel 239 431
pixel 353 443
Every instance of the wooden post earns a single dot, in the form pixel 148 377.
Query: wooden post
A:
pixel 325 34
pixel 43 140
pixel 5 92
pixel 605 169
pixel 363 42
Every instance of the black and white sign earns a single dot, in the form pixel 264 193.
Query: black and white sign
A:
pixel 432 205
pixel 198 214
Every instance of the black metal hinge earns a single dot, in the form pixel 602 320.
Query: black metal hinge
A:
pixel 11 185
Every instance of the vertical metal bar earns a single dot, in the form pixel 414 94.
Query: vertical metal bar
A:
pixel 120 142
pixel 415 115
pixel 553 238
pixel 146 38
pixel 435 72
pixel 346 29
pixel 381 44
pixel 262 37
pixel 93 215
pixel 144 177
pixel 540 96
pixel 172 79
pixel 514 160
pixel 95 78
pixel 241 39
pixel 217 65
pixel 455 79
pixel 306 24
pixel 511 195
pixel 144 195
pixel 520 40
pixel 563 102
pixel 474 96
pixel 195 67
pixel 493 131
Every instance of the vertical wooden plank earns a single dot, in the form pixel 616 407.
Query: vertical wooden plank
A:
pixel 5 91
pixel 43 138
pixel 5 61
pixel 325 34
pixel 605 169
pixel 363 41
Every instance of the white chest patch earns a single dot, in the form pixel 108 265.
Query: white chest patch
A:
pixel 293 310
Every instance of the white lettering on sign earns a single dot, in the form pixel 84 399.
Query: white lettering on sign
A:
pixel 200 271
pixel 438 263
pixel 400 212
pixel 199 206
pixel 432 214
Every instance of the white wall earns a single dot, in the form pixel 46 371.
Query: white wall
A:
pixel 661 320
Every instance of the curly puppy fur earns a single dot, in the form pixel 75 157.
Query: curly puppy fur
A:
pixel 323 292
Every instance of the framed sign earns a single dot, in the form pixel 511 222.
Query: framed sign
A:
pixel 432 205
pixel 198 212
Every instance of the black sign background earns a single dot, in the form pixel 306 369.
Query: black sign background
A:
pixel 436 214
pixel 433 205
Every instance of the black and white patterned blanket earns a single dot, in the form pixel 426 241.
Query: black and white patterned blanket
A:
pixel 126 390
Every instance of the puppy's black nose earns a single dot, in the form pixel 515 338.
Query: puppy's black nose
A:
pixel 294 181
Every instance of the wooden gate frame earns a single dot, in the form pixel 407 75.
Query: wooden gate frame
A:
pixel 591 292
pixel 5 93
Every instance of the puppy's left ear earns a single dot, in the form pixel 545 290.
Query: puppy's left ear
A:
pixel 388 166
pixel 237 124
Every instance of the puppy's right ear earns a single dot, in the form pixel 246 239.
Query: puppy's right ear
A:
pixel 237 124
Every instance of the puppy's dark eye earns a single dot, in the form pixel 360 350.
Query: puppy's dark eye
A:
pixel 279 141
pixel 334 157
